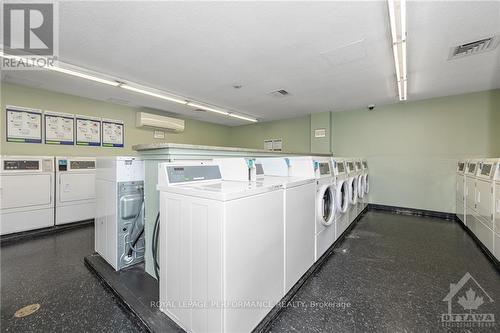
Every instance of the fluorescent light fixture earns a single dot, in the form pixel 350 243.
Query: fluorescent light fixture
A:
pixel 397 18
pixel 83 75
pixel 234 115
pixel 207 108
pixel 153 94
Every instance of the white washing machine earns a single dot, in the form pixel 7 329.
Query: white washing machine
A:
pixel 460 191
pixel 360 185
pixel 485 201
pixel 221 246
pixel 119 222
pixel 341 194
pixel 470 193
pixel 75 189
pixel 366 183
pixel 299 232
pixel 26 193
pixel 352 184
pixel 325 207
pixel 496 226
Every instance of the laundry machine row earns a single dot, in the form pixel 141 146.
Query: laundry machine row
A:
pixel 38 193
pixel 479 209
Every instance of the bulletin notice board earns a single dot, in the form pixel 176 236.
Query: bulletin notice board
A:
pixel 112 133
pixel 88 131
pixel 23 124
pixel 59 128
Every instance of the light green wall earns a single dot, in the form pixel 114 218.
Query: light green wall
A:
pixel 495 124
pixel 196 132
pixel 412 148
pixel 320 145
pixel 294 132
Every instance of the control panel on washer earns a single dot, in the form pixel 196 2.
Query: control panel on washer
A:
pixel 191 173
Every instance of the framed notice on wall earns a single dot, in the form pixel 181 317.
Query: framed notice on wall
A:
pixel 59 128
pixel 23 124
pixel 88 131
pixel 112 133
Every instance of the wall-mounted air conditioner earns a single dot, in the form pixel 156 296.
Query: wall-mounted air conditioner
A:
pixel 144 119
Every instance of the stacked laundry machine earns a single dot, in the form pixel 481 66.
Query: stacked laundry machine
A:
pixel 480 208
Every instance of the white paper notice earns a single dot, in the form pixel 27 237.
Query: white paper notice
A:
pixel 277 145
pixel 88 131
pixel 268 144
pixel 23 124
pixel 59 128
pixel 112 133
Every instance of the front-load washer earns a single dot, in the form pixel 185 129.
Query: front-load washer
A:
pixel 341 194
pixel 325 207
pixel 75 189
pixel 470 193
pixel 485 201
pixel 360 185
pixel 496 226
pixel 299 232
pixel 352 211
pixel 119 222
pixel 460 191
pixel 221 246
pixel 26 193
pixel 365 183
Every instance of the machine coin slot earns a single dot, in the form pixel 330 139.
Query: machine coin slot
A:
pixel 63 165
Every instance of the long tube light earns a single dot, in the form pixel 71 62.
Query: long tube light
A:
pixel 234 115
pixel 81 73
pixel 153 94
pixel 207 108
pixel 397 18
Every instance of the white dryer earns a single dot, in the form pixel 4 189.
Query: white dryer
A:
pixel 325 207
pixel 299 232
pixel 26 193
pixel 341 194
pixel 75 189
pixel 485 201
pixel 221 246
pixel 460 191
pixel 352 184
pixel 470 193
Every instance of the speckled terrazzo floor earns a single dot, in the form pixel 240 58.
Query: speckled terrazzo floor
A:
pixel 389 275
pixel 394 272
pixel 50 271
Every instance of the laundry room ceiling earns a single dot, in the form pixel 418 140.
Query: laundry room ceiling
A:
pixel 328 56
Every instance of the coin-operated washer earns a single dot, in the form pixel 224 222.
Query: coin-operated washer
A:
pixel 460 191
pixel 221 244
pixel 75 189
pixel 341 190
pixel 353 189
pixel 26 193
pixel 119 224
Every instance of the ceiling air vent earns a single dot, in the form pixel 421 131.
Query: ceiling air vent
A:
pixel 478 46
pixel 279 93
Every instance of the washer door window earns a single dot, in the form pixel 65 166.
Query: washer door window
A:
pixel 361 187
pixel 367 184
pixel 326 205
pixel 353 191
pixel 342 195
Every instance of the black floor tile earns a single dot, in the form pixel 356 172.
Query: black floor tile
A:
pixel 50 271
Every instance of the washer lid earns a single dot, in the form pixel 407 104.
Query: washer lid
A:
pixel 221 190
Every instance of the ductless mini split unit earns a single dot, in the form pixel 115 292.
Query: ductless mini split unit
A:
pixel 150 120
